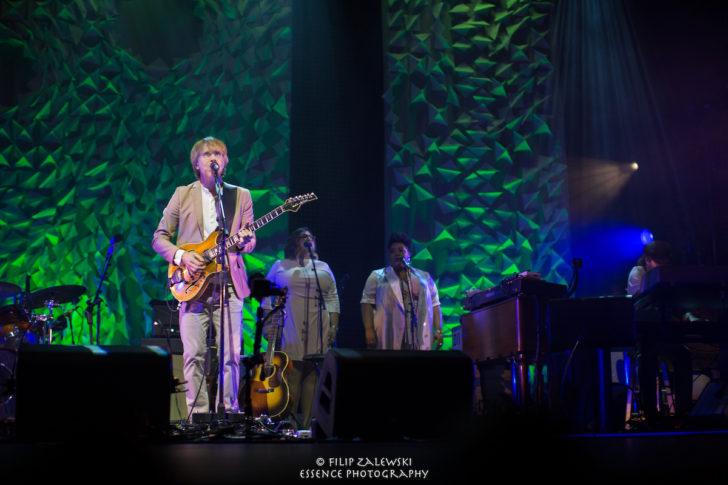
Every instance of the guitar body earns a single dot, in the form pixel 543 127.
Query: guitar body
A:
pixel 269 388
pixel 186 287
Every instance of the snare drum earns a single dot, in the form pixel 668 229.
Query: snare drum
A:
pixel 13 321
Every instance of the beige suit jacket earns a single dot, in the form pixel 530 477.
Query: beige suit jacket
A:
pixel 183 216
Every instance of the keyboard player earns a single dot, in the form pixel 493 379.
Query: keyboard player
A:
pixel 657 354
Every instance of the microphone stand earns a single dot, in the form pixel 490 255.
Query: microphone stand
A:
pixel 26 302
pixel 222 284
pixel 413 323
pixel 25 308
pixel 321 303
pixel 97 300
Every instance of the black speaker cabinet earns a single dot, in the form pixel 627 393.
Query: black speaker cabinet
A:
pixel 69 393
pixel 389 394
pixel 601 322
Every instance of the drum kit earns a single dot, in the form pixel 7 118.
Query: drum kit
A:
pixel 22 321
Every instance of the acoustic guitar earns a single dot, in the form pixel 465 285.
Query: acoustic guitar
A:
pixel 187 286
pixel 269 388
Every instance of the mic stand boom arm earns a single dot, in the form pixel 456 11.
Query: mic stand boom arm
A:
pixel 321 303
pixel 413 326
pixel 97 301
pixel 224 301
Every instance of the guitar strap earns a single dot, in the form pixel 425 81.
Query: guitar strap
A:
pixel 229 196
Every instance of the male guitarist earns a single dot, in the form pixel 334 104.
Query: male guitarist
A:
pixel 192 213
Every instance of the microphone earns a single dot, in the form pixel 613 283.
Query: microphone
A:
pixel 218 183
pixel 113 242
pixel 307 244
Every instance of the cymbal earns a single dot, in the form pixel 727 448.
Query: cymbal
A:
pixel 59 294
pixel 8 289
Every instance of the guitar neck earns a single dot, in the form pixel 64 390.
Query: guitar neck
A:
pixel 277 324
pixel 238 237
pixel 273 338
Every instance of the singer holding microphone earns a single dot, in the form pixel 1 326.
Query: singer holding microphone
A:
pixel 400 305
pixel 193 213
pixel 311 317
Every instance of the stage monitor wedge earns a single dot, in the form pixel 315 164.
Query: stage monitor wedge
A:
pixel 71 393
pixel 391 394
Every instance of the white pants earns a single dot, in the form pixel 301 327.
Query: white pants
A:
pixel 194 322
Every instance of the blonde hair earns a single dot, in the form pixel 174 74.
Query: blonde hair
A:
pixel 200 146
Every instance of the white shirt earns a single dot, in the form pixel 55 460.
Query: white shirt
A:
pixel 209 220
pixel 383 289
pixel 636 280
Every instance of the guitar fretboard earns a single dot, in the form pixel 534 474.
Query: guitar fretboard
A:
pixel 237 238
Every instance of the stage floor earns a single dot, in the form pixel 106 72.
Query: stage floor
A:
pixel 520 454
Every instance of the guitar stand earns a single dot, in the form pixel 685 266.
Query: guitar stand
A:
pixel 261 426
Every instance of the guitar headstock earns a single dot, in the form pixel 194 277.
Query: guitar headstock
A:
pixel 281 299
pixel 293 203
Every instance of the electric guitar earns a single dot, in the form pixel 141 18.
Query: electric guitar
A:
pixel 269 388
pixel 187 286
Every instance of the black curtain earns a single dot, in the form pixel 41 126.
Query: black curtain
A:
pixel 337 145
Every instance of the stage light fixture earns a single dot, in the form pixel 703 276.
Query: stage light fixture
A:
pixel 646 236
pixel 635 166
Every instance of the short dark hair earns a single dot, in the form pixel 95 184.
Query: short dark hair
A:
pixel 290 250
pixel 658 251
pixel 400 237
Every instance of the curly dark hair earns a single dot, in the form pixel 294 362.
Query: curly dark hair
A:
pixel 290 249
pixel 400 237
pixel 658 251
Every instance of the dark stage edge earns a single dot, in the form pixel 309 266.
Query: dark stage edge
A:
pixel 475 456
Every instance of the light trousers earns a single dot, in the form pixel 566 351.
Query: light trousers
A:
pixel 194 323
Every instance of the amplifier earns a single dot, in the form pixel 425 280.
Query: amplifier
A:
pixel 165 318
pixel 172 345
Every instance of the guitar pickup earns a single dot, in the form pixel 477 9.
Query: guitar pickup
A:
pixel 177 277
pixel 263 391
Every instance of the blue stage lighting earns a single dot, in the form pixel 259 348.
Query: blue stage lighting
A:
pixel 646 237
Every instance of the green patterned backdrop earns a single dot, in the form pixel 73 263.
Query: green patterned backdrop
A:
pixel 100 135
pixel 475 173
pixel 101 128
